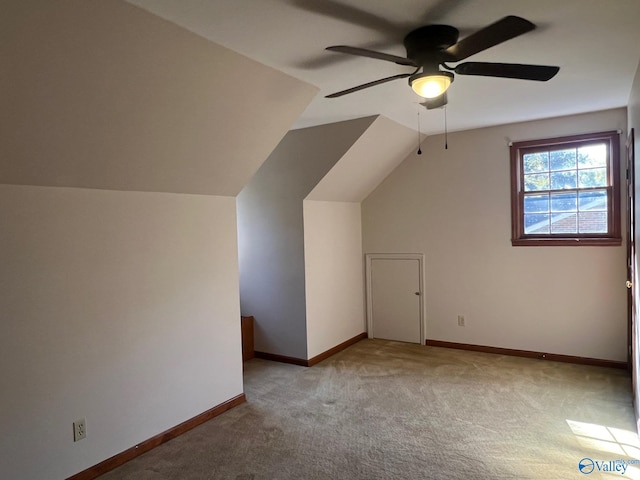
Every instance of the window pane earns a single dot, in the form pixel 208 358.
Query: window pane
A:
pixel 536 223
pixel 593 200
pixel 563 159
pixel 594 177
pixel 593 222
pixel 592 156
pixel 536 203
pixel 536 181
pixel 564 202
pixel 564 223
pixel 566 190
pixel 561 180
pixel 535 162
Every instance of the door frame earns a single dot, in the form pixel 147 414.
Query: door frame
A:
pixel 633 337
pixel 369 258
pixel 631 253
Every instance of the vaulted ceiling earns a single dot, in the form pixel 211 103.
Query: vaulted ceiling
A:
pixel 594 42
pixel 106 95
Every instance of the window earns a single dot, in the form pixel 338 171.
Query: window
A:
pixel 566 191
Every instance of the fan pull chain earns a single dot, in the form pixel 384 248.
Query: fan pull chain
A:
pixel 446 144
pixel 419 150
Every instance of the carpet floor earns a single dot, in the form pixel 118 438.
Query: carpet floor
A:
pixel 389 410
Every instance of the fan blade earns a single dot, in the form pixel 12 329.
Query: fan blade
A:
pixel 347 13
pixel 541 73
pixel 363 52
pixel 437 102
pixel 498 32
pixel 367 85
pixel 324 60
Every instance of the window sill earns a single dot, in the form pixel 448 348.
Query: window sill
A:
pixel 567 242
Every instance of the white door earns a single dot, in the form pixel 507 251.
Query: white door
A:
pixel 395 298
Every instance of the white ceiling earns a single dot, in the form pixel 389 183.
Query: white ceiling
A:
pixel 596 44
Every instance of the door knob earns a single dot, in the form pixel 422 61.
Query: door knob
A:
pixel 629 284
pixel 417 293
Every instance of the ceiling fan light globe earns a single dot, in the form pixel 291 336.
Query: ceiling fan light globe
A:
pixel 431 85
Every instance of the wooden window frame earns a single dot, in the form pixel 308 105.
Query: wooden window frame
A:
pixel 518 149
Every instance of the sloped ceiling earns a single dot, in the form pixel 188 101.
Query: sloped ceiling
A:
pixel 380 149
pixel 595 43
pixel 106 95
pixel 303 158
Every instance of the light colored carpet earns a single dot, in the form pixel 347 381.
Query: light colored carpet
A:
pixel 388 410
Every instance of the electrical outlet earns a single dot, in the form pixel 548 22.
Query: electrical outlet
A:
pixel 461 320
pixel 79 429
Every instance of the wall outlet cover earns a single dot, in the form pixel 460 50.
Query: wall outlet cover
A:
pixel 79 429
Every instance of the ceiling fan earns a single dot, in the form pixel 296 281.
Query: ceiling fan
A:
pixel 434 46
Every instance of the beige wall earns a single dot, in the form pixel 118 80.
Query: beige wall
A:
pixel 334 282
pixel 271 234
pixel 634 105
pixel 328 168
pixel 454 206
pixel 119 307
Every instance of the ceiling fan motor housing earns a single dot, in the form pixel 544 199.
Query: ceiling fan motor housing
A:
pixel 426 45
